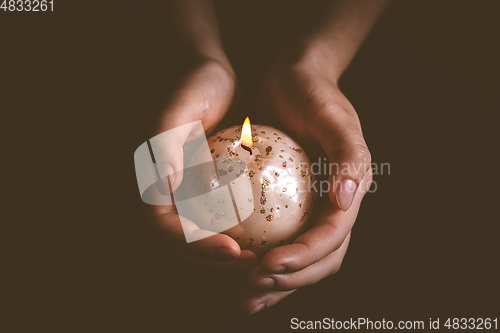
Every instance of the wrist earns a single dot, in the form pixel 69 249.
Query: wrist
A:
pixel 314 54
pixel 321 54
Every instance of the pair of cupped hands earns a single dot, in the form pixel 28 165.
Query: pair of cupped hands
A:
pixel 301 91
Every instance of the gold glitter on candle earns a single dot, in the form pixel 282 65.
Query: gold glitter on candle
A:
pixel 265 183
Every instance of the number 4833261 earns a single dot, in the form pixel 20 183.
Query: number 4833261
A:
pixel 27 5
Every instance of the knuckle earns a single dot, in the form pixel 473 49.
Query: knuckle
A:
pixel 320 106
pixel 167 212
pixel 361 153
pixel 354 150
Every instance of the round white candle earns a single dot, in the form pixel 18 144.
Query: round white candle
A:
pixel 272 195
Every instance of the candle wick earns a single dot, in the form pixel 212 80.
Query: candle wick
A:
pixel 247 149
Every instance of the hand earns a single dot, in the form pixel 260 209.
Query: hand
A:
pixel 205 94
pixel 302 91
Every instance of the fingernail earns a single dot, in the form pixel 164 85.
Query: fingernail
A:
pixel 258 308
pixel 345 193
pixel 169 175
pixel 171 181
pixel 266 283
pixel 277 269
pixel 166 178
pixel 225 253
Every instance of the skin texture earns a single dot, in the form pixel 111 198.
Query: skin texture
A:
pixel 301 89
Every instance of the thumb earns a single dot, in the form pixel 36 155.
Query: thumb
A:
pixel 349 163
pixel 180 126
pixel 340 136
pixel 168 155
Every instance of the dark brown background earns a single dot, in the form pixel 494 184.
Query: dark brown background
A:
pixel 79 88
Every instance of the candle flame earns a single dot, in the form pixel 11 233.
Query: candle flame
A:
pixel 246 134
